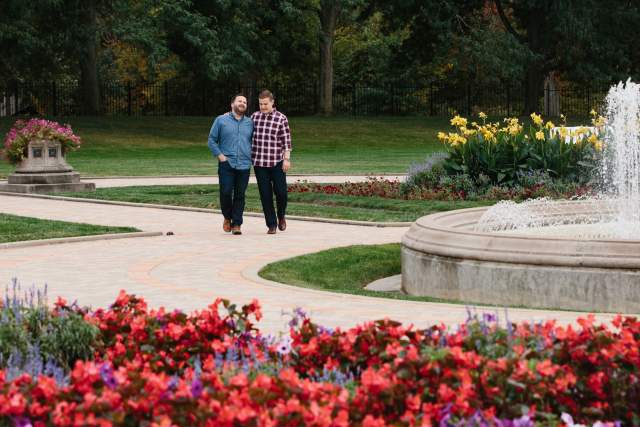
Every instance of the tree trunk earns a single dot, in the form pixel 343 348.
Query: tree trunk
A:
pixel 534 78
pixel 88 59
pixel 329 12
pixel 533 89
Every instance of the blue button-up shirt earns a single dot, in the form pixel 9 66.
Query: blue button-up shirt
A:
pixel 232 137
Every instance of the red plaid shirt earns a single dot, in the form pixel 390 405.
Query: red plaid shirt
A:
pixel 271 137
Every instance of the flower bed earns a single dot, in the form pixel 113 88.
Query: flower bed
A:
pixel 23 132
pixel 436 185
pixel 214 367
pixel 500 153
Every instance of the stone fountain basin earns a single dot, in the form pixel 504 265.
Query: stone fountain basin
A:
pixel 443 257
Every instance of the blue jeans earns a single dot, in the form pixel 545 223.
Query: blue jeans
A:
pixel 233 185
pixel 272 181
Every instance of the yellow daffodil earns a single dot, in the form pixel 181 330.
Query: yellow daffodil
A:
pixel 487 134
pixel 536 119
pixel 515 130
pixel 455 139
pixel 482 115
pixel 443 137
pixel 593 113
pixel 598 121
pixel 550 125
pixel 563 132
pixel 540 135
pixel 458 121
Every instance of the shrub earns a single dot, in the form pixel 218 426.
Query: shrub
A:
pixel 32 335
pixel 426 174
pixel 502 153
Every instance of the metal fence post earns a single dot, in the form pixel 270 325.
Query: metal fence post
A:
pixel 315 98
pixel 547 94
pixel 468 99
pixel 54 96
pixel 393 99
pixel 431 110
pixel 204 98
pixel 354 101
pixel 129 99
pixel 15 98
pixel 166 98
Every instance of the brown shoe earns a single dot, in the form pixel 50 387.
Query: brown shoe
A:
pixel 236 230
pixel 282 224
pixel 272 230
pixel 226 225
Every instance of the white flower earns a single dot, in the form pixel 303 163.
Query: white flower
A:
pixel 284 346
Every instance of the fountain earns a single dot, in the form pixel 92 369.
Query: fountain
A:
pixel 579 254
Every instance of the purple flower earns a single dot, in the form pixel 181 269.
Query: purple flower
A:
pixel 489 317
pixel 107 376
pixel 523 421
pixel 22 422
pixel 172 383
pixel 196 388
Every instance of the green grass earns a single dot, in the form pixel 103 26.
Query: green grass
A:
pixel 178 145
pixel 305 204
pixel 346 270
pixel 18 228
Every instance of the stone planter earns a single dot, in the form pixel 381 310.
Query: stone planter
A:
pixel 45 170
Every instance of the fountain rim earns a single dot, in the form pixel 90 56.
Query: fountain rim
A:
pixel 447 234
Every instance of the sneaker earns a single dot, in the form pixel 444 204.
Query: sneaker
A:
pixel 236 230
pixel 226 225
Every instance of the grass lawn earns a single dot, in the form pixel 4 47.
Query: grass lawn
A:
pixel 346 270
pixel 306 204
pixel 18 228
pixel 178 145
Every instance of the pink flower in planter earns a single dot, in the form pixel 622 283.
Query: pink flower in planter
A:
pixel 19 136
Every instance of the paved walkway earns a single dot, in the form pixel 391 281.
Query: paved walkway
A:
pixel 191 180
pixel 199 263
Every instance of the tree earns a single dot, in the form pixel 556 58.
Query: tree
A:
pixel 553 31
pixel 88 56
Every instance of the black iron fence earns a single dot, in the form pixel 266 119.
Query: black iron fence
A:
pixel 179 98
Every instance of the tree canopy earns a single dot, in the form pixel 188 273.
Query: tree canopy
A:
pixel 329 42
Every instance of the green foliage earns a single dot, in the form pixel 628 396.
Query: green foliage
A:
pixel 27 326
pixel 503 154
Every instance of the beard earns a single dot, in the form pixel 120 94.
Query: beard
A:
pixel 239 109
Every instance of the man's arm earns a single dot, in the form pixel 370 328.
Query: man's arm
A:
pixel 285 138
pixel 214 140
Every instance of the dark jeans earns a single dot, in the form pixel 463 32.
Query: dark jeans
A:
pixel 272 181
pixel 233 185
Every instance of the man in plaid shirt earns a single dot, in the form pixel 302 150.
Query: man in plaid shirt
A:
pixel 270 155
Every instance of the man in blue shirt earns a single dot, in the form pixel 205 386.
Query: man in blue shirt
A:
pixel 230 141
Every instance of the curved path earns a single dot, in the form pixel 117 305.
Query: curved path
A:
pixel 189 269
